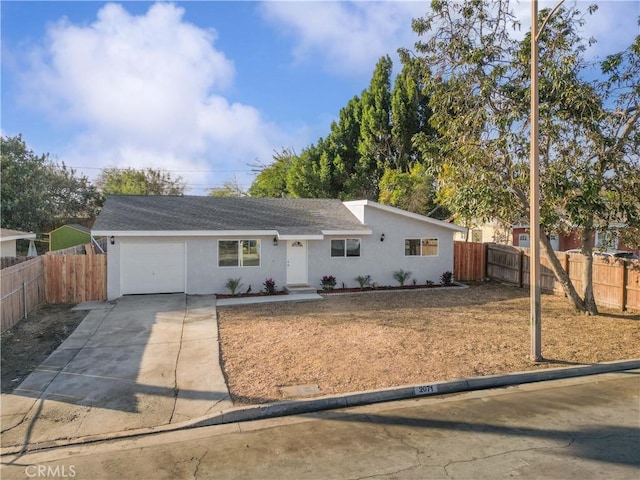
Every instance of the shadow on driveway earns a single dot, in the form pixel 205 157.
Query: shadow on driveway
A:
pixel 148 360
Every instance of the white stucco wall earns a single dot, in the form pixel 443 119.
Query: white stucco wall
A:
pixel 203 274
pixel 378 259
pixel 381 259
pixel 7 248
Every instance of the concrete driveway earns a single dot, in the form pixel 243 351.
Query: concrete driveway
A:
pixel 142 361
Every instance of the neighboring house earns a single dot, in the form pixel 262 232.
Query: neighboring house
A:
pixel 492 231
pixel 161 244
pixel 69 236
pixel 8 241
pixel 562 242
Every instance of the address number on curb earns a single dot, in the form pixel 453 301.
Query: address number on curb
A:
pixel 426 389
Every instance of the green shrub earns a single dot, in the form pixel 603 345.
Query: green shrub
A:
pixel 401 276
pixel 363 280
pixel 233 284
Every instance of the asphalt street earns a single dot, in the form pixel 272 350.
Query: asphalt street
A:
pixel 579 428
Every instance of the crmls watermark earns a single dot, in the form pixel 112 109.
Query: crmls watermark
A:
pixel 50 471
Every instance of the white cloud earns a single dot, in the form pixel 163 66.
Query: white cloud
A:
pixel 348 37
pixel 146 91
pixel 613 25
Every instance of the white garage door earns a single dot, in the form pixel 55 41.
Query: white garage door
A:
pixel 152 267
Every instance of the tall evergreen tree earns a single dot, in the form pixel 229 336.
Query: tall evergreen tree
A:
pixel 375 146
pixel 369 152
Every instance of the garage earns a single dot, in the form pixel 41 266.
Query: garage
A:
pixel 152 267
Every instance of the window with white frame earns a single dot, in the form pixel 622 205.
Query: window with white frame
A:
pixel 345 247
pixel 420 247
pixel 238 253
pixel 606 240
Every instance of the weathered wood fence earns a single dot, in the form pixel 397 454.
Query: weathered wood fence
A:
pixel 616 282
pixel 52 279
pixel 23 289
pixel 11 261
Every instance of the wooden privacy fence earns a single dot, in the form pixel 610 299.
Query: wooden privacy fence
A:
pixel 615 281
pixel 75 278
pixel 469 261
pixel 23 289
pixel 11 261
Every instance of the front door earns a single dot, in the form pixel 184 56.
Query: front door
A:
pixel 297 262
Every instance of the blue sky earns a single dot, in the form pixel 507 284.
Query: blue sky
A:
pixel 204 89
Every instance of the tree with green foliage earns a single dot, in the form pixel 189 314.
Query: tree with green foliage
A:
pixel 307 177
pixel 410 115
pixel 375 145
pixel 271 180
pixel 478 79
pixel 230 188
pixel 131 181
pixel 38 194
pixel 369 152
pixel 413 191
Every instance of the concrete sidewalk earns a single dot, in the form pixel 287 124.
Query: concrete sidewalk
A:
pixel 141 362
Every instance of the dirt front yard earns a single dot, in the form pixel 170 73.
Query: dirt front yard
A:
pixel 366 341
pixel 30 341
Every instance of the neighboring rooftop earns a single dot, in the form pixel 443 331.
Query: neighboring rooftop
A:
pixel 7 234
pixel 75 226
pixel 299 216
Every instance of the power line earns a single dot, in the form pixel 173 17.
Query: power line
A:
pixel 165 169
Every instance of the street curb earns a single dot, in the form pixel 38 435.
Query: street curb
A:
pixel 298 407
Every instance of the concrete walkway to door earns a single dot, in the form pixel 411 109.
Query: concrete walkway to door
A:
pixel 142 361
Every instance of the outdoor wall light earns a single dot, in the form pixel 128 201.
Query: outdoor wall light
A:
pixel 275 241
pixel 112 240
pixel 382 237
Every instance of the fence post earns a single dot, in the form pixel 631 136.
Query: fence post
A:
pixel 485 261
pixel 24 298
pixel 625 280
pixel 521 270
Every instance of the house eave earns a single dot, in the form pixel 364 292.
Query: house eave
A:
pixel 404 213
pixel 183 233
pixel 31 236
pixel 347 232
pixel 300 237
pixel 226 233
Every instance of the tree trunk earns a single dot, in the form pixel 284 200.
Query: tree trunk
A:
pixel 587 272
pixel 562 276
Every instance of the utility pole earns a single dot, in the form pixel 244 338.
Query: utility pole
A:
pixel 534 199
pixel 534 190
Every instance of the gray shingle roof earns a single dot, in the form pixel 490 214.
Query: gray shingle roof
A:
pixel 289 216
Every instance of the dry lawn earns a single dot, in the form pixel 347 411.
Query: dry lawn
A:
pixel 367 341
